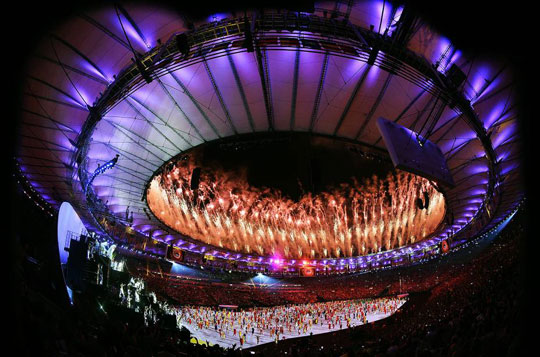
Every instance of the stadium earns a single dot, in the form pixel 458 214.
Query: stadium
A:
pixel 319 178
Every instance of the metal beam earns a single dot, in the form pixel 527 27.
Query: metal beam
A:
pixel 374 106
pixel 72 69
pixel 488 83
pixel 151 123
pixel 241 90
pixel 124 180
pixel 39 97
pixel 45 83
pixel 404 111
pixel 44 141
pixel 25 123
pixel 125 156
pixel 101 27
pixel 79 53
pixel 47 148
pixel 55 122
pixel 457 169
pixel 454 192
pixel 45 166
pixel 132 23
pixel 177 106
pixel 352 97
pixel 295 88
pixel 39 158
pixel 165 123
pixel 195 103
pixel 317 100
pixel 501 121
pixel 457 149
pixel 220 97
pixel 262 62
pixel 124 130
pixel 506 142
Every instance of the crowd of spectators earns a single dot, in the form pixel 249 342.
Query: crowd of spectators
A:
pixel 467 303
pixel 474 310
pixel 185 290
pixel 208 293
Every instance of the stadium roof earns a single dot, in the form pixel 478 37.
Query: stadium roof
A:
pixel 118 80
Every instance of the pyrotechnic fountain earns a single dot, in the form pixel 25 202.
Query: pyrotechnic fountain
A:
pixel 350 219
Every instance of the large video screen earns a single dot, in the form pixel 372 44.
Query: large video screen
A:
pixel 408 154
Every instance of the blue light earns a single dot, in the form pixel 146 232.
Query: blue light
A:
pixel 100 170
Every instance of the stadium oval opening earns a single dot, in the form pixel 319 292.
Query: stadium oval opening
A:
pixel 294 195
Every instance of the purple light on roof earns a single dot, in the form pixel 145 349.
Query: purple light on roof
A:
pixel 102 191
pixel 502 156
pixel 478 192
pixel 381 8
pixel 456 142
pixel 494 115
pixel 97 154
pixel 216 17
pixel 244 58
pixel 142 95
pixel 504 134
pixel 89 68
pixel 75 99
pixel 442 46
pixel 479 80
pixel 478 169
pixel 353 68
pixel 454 58
pixel 397 15
pixel 475 200
pixel 509 168
pixel 130 30
pixel 373 74
pixel 186 74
